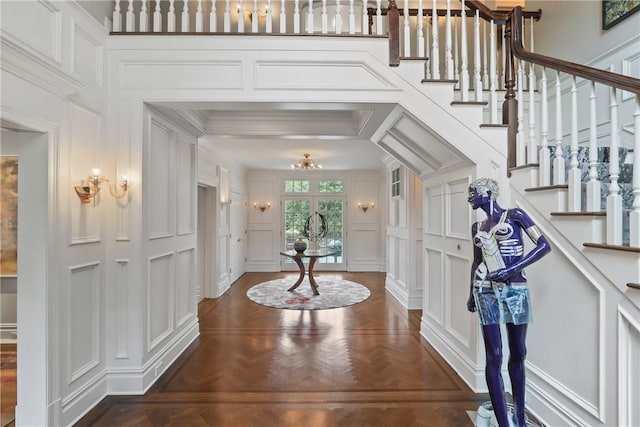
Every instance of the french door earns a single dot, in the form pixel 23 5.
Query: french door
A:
pixel 296 210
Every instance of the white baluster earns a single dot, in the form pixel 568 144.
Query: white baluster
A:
pixel 199 18
pixel 283 18
pixel 464 70
pixel 447 45
pixel 157 18
pixel 226 25
pixel 213 18
pixel 352 18
pixel 325 18
pixel 365 18
pixel 575 176
pixel 269 20
pixel 296 17
pixel 485 65
pixel 379 17
pixel 501 62
pixel 558 160
pixel 521 138
pixel 241 16
pixel 144 17
pixel 254 17
pixel 310 17
pixel 493 79
pixel 426 49
pixel 420 30
pixel 131 19
pixel 593 186
pixel 406 39
pixel 117 17
pixel 171 17
pixel 614 199
pixel 185 17
pixel 456 53
pixel 435 49
pixel 634 216
pixel 477 67
pixel 338 18
pixel 545 155
pixel 533 148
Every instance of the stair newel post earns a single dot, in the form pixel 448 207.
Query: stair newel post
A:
pixel 199 18
pixel 420 30
pixel 283 18
pixel 477 59
pixel 634 216
pixel 254 17
pixel 185 17
pixel 493 79
pixel 325 18
pixel 545 154
pixel 614 199
pixel 379 17
pixel 352 18
pixel 310 17
pixel 365 18
pixel 226 26
pixel 213 25
pixel 269 20
pixel 558 160
pixel 435 49
pixel 593 186
pixel 510 104
pixel 464 66
pixel 406 38
pixel 117 17
pixel 131 19
pixel 171 17
pixel 533 143
pixel 393 25
pixel 447 43
pixel 575 176
pixel 157 18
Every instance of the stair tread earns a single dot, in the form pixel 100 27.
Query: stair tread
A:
pixel 613 247
pixel 414 58
pixel 548 187
pixel 527 166
pixel 438 81
pixel 584 213
pixel 494 125
pixel 469 103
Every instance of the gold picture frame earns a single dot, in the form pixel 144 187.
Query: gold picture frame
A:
pixel 9 216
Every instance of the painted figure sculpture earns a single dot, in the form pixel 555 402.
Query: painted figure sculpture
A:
pixel 499 292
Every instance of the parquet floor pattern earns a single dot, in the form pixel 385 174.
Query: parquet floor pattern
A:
pixel 363 365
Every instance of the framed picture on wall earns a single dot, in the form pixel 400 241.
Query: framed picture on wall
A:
pixel 9 216
pixel 615 11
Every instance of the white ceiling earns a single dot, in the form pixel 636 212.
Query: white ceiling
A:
pixel 269 135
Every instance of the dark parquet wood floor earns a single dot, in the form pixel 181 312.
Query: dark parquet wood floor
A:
pixel 364 365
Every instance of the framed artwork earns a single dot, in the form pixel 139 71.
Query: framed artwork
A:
pixel 9 215
pixel 615 11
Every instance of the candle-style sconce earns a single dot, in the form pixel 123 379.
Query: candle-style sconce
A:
pixel 92 187
pixel 261 206
pixel 364 207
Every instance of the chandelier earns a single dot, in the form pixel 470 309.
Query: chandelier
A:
pixel 306 163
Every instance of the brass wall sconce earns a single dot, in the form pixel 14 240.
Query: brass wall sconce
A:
pixel 364 207
pixel 92 188
pixel 261 206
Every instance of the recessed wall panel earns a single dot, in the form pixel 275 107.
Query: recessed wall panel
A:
pixel 460 320
pixel 83 319
pixel 433 210
pixel 458 219
pixel 259 247
pixel 628 369
pixel 364 245
pixel 177 74
pixel 36 24
pixel 159 177
pixel 433 274
pixel 159 299
pixel 185 183
pixel 87 57
pixel 185 285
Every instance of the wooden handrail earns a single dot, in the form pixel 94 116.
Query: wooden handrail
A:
pixel 499 17
pixel 608 78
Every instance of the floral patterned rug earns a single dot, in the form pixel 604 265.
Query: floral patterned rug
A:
pixel 333 294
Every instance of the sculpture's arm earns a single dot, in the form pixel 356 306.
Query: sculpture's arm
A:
pixel 477 259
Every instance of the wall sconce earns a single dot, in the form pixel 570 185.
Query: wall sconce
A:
pixel 364 207
pixel 261 206
pixel 92 187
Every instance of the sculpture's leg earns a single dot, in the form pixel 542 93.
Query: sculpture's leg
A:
pixel 517 354
pixel 301 266
pixel 312 281
pixel 493 348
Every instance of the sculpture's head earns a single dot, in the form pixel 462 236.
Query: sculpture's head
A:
pixel 481 191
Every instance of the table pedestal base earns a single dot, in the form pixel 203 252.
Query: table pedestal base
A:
pixel 312 281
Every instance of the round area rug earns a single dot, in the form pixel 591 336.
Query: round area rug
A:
pixel 333 294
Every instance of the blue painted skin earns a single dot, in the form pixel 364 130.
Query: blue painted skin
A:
pixel 480 198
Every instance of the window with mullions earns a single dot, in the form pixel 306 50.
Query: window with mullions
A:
pixel 330 187
pixel 296 186
pixel 395 183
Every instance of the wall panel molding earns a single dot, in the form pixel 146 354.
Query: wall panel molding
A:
pixel 160 295
pixel 628 368
pixel 122 308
